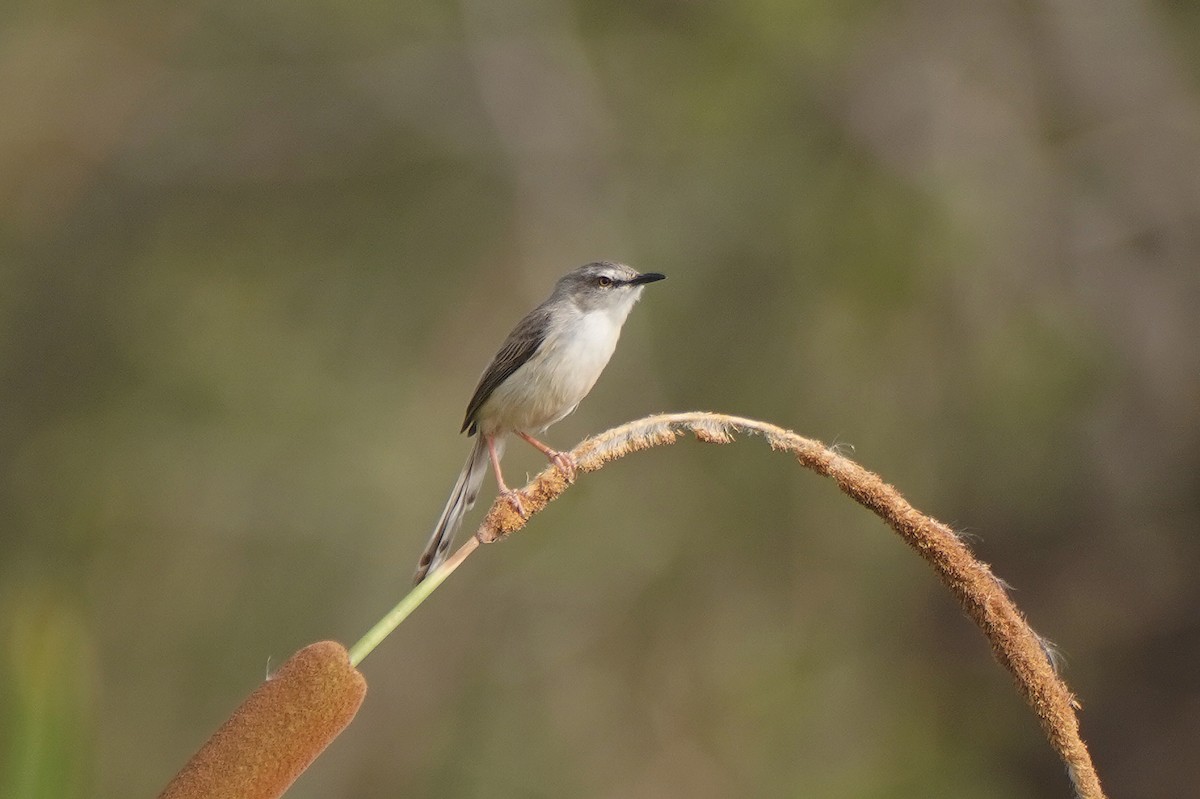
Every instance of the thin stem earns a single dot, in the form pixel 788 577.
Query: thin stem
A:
pixel 420 592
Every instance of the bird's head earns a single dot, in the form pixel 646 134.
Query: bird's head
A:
pixel 604 285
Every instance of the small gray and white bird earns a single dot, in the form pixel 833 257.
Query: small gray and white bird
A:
pixel 547 365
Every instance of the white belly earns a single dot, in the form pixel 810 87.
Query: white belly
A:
pixel 549 385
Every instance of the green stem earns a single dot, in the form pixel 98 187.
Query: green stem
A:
pixel 384 627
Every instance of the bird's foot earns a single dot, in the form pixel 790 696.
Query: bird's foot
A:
pixel 561 460
pixel 564 463
pixel 513 497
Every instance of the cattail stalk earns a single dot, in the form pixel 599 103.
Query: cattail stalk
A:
pixel 292 717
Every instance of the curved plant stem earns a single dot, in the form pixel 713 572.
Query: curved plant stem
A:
pixel 984 598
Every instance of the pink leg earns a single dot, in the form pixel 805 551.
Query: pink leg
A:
pixel 561 460
pixel 511 494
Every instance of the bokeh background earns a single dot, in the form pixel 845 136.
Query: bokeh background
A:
pixel 254 256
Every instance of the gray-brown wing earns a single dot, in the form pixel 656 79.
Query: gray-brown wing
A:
pixel 518 348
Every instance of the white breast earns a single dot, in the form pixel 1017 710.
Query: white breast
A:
pixel 549 385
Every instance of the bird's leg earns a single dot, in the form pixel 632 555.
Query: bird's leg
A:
pixel 512 495
pixel 562 460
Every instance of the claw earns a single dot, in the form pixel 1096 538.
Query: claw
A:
pixel 513 497
pixel 565 464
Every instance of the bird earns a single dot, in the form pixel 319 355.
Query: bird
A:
pixel 543 370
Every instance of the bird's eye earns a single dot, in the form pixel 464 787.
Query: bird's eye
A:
pixel 604 281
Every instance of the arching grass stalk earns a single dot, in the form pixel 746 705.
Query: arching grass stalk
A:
pixel 984 598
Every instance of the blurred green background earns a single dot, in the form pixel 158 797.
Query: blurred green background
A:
pixel 254 256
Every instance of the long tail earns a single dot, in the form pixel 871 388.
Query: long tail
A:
pixel 462 499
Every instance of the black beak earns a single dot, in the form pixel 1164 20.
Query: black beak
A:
pixel 648 277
